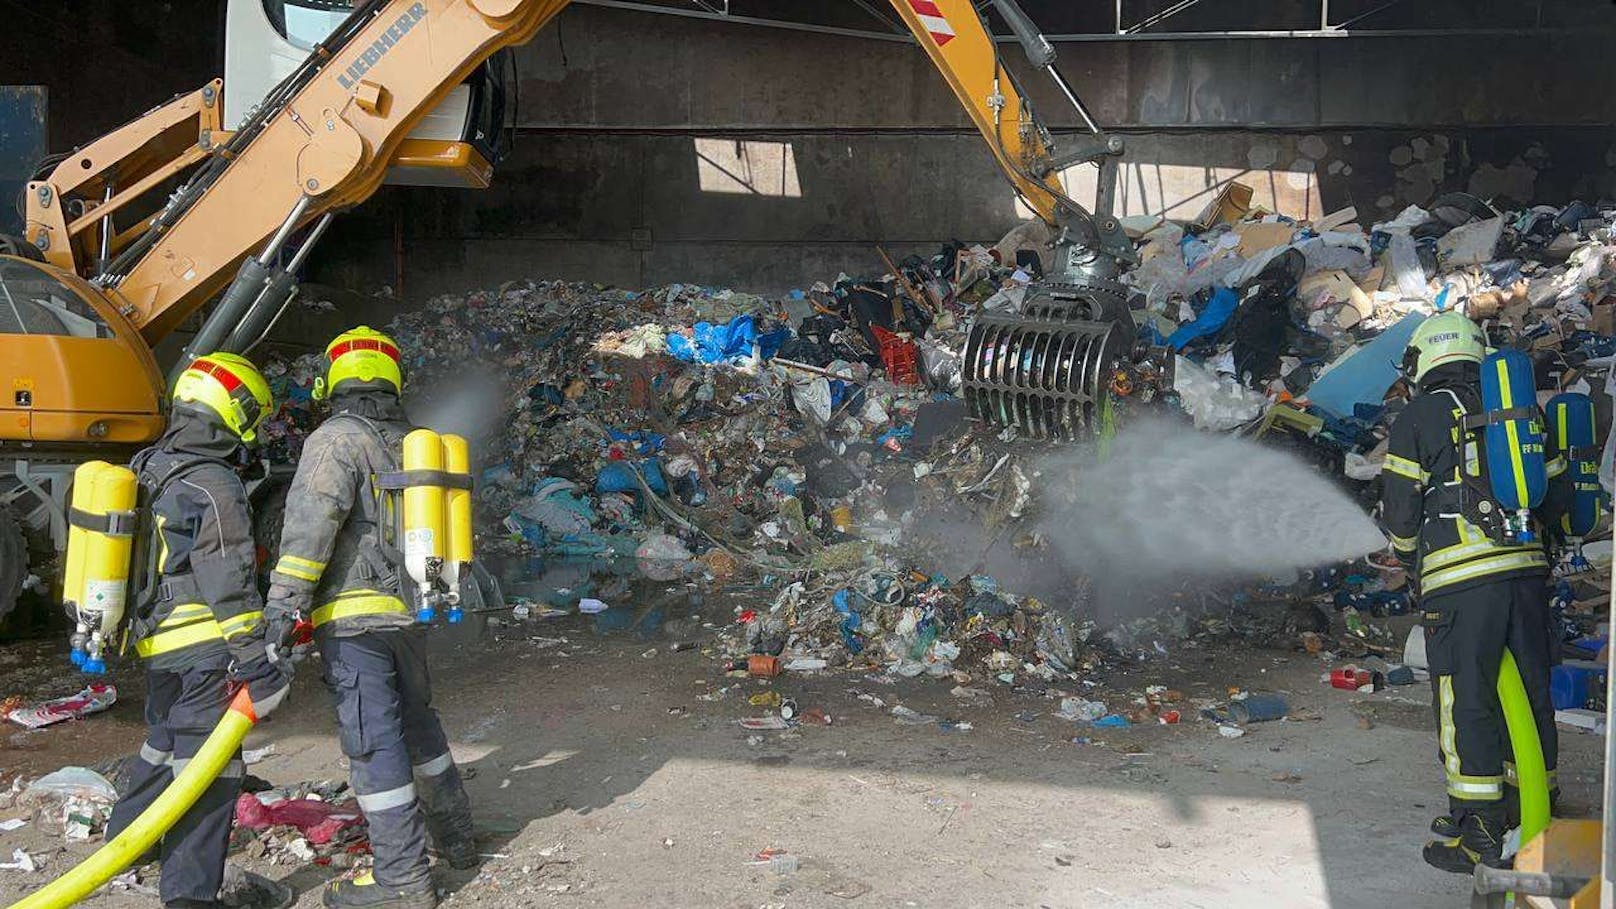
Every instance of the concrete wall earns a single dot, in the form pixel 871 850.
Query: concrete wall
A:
pixel 654 148
pixel 106 61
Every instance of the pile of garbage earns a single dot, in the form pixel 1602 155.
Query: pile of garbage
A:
pixel 796 442
pixel 1301 325
pixel 605 417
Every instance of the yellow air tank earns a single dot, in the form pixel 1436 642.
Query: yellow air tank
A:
pixel 73 560
pixel 457 511
pixel 99 542
pixel 425 536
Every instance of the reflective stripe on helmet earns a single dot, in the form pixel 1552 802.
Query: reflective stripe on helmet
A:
pixel 354 344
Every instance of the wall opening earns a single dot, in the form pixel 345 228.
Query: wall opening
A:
pixel 1181 191
pixel 747 167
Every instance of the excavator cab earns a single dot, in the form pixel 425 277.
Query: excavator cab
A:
pixel 58 328
pixel 456 143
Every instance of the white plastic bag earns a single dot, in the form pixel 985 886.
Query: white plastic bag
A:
pixel 1215 404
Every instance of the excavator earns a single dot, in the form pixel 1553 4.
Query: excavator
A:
pixel 218 195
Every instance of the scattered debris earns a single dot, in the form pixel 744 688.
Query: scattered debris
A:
pixel 21 861
pixel 96 697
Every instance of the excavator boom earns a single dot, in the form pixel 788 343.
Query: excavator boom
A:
pixel 959 43
pixel 325 147
pixel 952 35
pixel 1046 370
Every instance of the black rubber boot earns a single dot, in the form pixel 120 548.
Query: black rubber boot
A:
pixel 1480 842
pixel 459 851
pixel 364 892
pixel 447 809
pixel 1445 826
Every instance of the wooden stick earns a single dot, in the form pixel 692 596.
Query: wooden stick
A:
pixel 908 289
pixel 804 367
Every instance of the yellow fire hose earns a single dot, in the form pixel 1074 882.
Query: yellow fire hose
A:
pixel 152 823
pixel 1530 771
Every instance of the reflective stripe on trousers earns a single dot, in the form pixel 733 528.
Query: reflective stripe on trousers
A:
pixel 1460 785
pixel 1510 778
pixel 436 766
pixel 387 799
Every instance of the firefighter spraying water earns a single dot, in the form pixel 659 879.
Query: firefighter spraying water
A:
pixel 1469 477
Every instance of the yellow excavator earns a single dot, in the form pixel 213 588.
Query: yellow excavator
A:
pixel 219 194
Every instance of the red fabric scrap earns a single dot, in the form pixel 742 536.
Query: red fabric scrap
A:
pixel 318 822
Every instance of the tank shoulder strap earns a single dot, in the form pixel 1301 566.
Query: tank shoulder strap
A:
pixel 382 435
pixel 144 584
pixel 179 471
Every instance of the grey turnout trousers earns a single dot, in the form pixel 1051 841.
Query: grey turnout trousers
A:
pixel 405 779
pixel 182 708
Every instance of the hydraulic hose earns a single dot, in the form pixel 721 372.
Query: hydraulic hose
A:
pixel 188 786
pixel 1530 771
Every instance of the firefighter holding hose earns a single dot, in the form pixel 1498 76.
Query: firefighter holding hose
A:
pixel 197 624
pixel 340 570
pixel 1481 572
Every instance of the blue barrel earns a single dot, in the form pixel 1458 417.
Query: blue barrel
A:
pixel 1571 426
pixel 1515 465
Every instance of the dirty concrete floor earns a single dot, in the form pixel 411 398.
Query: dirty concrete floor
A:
pixel 601 777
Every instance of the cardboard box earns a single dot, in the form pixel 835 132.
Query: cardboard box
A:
pixel 1604 320
pixel 1231 204
pixel 1337 286
pixel 1336 219
pixel 1256 237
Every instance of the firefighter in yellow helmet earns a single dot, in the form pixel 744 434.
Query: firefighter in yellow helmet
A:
pixel 338 571
pixel 196 620
pixel 1478 594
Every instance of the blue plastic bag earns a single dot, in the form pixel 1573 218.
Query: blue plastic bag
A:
pixel 618 476
pixel 843 602
pixel 709 343
pixel 1209 322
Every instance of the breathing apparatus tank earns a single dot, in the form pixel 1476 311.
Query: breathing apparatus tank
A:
pixel 101 531
pixel 425 534
pixel 457 514
pixel 1571 426
pixel 1513 438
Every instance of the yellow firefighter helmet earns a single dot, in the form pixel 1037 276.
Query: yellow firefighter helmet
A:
pixel 360 356
pixel 228 386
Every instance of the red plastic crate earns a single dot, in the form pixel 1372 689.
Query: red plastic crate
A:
pixel 899 356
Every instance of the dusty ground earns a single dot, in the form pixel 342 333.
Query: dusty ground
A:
pixel 601 777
